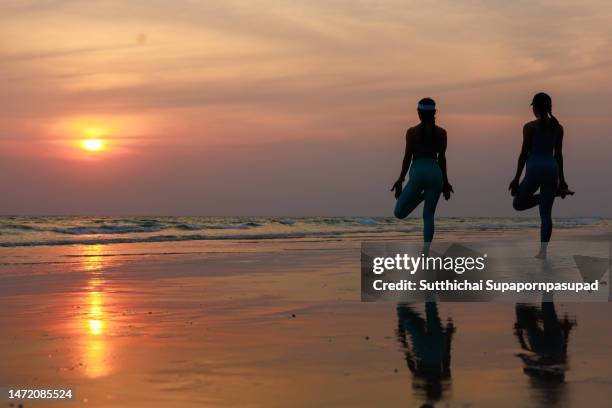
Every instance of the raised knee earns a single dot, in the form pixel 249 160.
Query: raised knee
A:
pixel 399 213
pixel 516 204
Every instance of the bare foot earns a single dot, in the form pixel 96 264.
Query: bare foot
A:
pixel 541 255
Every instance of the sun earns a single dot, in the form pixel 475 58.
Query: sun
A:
pixel 93 145
pixel 93 141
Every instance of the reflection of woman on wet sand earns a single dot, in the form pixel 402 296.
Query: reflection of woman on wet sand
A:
pixel 545 337
pixel 427 348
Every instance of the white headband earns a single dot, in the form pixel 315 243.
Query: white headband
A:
pixel 426 107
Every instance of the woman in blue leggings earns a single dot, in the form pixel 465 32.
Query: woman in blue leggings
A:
pixel 542 153
pixel 425 156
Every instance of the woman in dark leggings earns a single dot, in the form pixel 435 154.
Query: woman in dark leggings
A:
pixel 425 156
pixel 542 153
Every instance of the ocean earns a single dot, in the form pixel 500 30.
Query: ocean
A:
pixel 87 230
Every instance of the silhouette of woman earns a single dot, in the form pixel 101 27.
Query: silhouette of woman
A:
pixel 425 156
pixel 426 344
pixel 542 152
pixel 544 338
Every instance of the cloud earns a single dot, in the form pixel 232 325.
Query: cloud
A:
pixel 79 52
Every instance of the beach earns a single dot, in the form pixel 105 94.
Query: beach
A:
pixel 263 312
pixel 305 204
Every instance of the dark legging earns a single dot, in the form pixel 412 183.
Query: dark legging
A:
pixel 425 184
pixel 542 173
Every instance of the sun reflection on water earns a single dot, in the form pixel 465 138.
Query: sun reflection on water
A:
pixel 96 345
pixel 96 313
pixel 93 258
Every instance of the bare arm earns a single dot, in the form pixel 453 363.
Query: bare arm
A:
pixel 407 157
pixel 397 186
pixel 447 189
pixel 442 157
pixel 559 158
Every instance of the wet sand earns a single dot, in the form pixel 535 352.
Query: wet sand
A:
pixel 275 324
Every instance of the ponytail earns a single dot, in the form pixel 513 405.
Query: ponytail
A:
pixel 542 105
pixel 553 120
pixel 432 136
pixel 427 113
pixel 428 138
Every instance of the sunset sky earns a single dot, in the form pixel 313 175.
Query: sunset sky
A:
pixel 254 107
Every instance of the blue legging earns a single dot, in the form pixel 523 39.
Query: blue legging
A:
pixel 542 173
pixel 424 184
